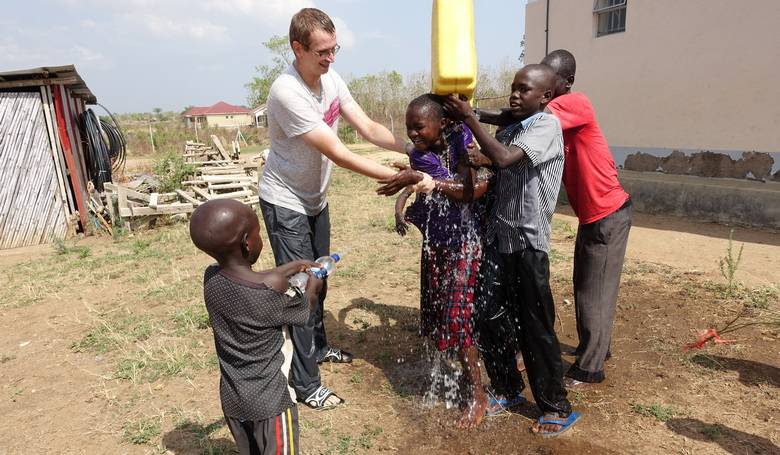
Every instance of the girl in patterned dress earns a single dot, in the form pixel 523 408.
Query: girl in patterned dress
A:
pixel 451 227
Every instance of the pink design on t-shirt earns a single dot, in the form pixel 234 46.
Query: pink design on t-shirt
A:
pixel 333 112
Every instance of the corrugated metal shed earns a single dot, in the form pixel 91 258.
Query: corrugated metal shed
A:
pixel 43 174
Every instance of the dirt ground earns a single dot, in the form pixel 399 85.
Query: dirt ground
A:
pixel 106 347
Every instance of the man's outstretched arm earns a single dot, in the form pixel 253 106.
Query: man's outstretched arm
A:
pixel 372 131
pixel 326 142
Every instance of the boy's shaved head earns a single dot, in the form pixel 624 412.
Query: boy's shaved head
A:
pixel 218 227
pixel 532 89
pixel 562 62
pixel 428 105
pixel 542 74
pixel 564 65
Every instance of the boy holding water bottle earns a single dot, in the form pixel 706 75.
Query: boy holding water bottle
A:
pixel 250 314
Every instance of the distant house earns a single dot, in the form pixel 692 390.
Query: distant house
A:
pixel 220 115
pixel 261 117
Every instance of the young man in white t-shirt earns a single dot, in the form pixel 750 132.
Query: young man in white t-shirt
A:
pixel 304 106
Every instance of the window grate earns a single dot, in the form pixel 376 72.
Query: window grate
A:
pixel 610 16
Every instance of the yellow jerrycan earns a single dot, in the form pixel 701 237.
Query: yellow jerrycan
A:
pixel 453 53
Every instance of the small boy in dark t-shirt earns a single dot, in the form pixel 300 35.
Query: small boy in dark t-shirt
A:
pixel 249 313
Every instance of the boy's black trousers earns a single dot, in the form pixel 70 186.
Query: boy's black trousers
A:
pixel 497 332
pixel 527 277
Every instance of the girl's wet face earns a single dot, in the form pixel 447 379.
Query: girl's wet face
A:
pixel 424 129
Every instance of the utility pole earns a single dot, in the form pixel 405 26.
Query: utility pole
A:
pixel 151 137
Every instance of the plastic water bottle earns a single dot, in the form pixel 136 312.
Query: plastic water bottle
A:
pixel 327 264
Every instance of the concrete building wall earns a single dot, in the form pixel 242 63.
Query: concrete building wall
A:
pixel 229 120
pixel 692 74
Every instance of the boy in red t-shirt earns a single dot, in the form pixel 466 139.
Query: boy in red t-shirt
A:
pixel 604 212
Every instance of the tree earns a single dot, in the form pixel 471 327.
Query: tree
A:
pixel 281 57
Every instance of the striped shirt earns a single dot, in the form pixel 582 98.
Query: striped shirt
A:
pixel 527 191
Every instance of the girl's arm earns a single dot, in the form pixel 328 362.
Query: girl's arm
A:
pixel 400 224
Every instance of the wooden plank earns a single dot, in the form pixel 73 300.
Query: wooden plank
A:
pixel 213 162
pixel 233 195
pixel 227 186
pixel 153 200
pixel 194 183
pixel 218 171
pixel 133 194
pixel 202 193
pixel 57 149
pixel 53 148
pixel 122 198
pixel 233 178
pixel 39 82
pixel 188 198
pixel 78 185
pixel 167 209
pixel 218 144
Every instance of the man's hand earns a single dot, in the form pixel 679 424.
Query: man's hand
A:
pixel 407 176
pixel 457 109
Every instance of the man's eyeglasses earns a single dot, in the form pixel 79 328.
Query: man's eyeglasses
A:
pixel 327 52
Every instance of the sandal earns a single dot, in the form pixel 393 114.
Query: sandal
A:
pixel 565 424
pixel 319 398
pixel 571 383
pixel 497 406
pixel 336 355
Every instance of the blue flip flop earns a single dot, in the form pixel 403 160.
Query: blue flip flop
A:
pixel 565 424
pixel 502 405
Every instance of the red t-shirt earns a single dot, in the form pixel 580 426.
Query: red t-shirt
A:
pixel 589 172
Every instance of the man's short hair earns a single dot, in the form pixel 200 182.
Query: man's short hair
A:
pixel 307 21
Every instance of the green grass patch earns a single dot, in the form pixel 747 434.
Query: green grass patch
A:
pixel 149 364
pixel 142 431
pixel 111 334
pixel 191 318
pixel 661 412
pixel 368 436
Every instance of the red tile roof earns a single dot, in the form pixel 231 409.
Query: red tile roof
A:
pixel 220 108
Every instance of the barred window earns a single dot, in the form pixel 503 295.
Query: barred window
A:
pixel 610 16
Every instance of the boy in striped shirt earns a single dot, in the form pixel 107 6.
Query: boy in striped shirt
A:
pixel 527 157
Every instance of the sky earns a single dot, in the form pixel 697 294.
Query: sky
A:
pixel 137 55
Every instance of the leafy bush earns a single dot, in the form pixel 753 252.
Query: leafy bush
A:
pixel 172 170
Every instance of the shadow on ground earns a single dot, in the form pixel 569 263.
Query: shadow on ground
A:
pixel 731 440
pixel 750 373
pixel 193 438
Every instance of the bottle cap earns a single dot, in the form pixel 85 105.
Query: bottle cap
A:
pixel 319 272
pixel 336 257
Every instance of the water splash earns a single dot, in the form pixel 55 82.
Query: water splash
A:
pixel 445 380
